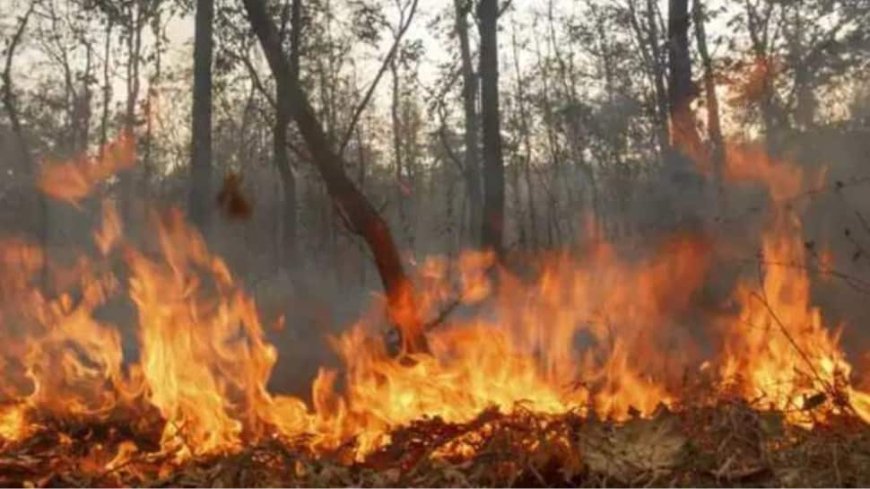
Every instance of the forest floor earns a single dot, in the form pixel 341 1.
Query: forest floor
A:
pixel 727 444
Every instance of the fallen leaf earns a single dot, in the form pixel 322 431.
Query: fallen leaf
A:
pixel 641 448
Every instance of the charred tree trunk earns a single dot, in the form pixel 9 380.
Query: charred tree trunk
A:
pixel 471 163
pixel 352 205
pixel 200 165
pixel 684 135
pixel 714 125
pixel 492 230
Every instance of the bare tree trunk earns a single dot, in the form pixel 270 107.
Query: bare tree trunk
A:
pixel 658 68
pixel 361 181
pixel 492 231
pixel 684 134
pixel 200 174
pixel 554 230
pixel 471 164
pixel 153 91
pixel 714 125
pixel 280 154
pixel 758 23
pixel 805 98
pixel 107 86
pixel 398 159
pixel 288 187
pixel 27 166
pixel 24 158
pixel 351 204
pixel 527 145
pixel 82 105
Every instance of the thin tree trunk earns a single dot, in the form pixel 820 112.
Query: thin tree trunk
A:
pixel 398 159
pixel 492 232
pixel 471 164
pixel 527 145
pixel 351 204
pixel 27 167
pixel 659 78
pixel 24 158
pixel 714 126
pixel 757 25
pixel 361 181
pixel 82 107
pixel 201 154
pixel 153 91
pixel 554 230
pixel 684 134
pixel 289 247
pixel 107 86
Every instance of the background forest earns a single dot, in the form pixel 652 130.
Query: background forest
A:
pixel 520 126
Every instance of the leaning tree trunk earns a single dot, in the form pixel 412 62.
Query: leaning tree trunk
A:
pixel 201 153
pixel 492 231
pixel 351 204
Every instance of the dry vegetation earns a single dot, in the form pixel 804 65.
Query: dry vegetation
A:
pixel 727 444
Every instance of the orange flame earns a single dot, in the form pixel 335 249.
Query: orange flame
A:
pixel 779 348
pixel 602 333
pixel 72 181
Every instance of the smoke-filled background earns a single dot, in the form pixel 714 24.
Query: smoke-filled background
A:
pixel 587 97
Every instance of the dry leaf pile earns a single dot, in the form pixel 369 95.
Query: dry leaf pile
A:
pixel 729 444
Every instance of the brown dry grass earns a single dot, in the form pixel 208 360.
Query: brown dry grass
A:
pixel 726 444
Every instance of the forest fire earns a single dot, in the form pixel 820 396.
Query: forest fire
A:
pixel 540 361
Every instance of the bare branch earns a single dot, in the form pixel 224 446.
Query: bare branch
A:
pixel 9 95
pixel 397 40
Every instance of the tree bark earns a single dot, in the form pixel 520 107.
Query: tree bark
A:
pixel 135 19
pixel 714 125
pixel 471 163
pixel 492 230
pixel 288 186
pixel 659 77
pixel 398 156
pixel 351 204
pixel 525 129
pixel 647 34
pixel 27 167
pixel 107 85
pixel 757 24
pixel 24 158
pixel 684 135
pixel 201 150
pixel 280 149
